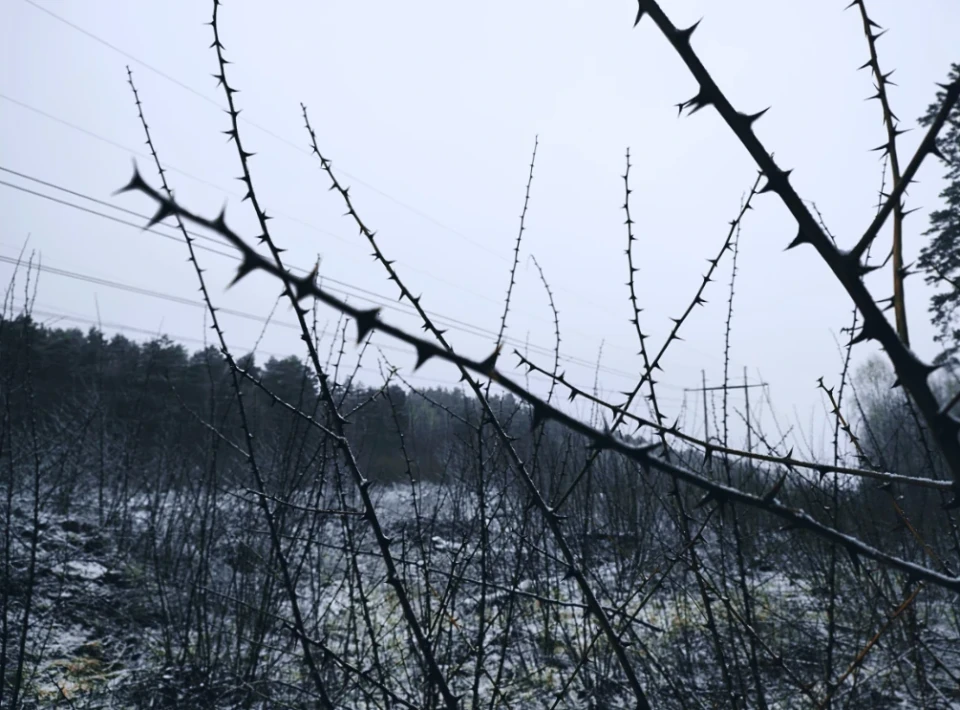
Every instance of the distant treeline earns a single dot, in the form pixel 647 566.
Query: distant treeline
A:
pixel 160 392
pixel 136 400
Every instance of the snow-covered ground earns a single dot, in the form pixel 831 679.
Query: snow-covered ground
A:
pixel 110 620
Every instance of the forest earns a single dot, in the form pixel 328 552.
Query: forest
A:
pixel 138 563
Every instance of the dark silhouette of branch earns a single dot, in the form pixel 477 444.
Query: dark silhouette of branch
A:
pixel 288 581
pixel 846 266
pixel 291 289
pixel 368 320
pixel 872 31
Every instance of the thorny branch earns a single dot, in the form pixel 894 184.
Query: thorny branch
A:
pixel 889 149
pixel 362 483
pixel 426 350
pixel 369 320
pixel 846 266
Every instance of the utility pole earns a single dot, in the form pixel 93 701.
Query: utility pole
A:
pixel 706 421
pixel 746 396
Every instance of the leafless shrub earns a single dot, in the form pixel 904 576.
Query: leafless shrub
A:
pixel 284 536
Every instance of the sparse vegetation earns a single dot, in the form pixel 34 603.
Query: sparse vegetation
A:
pixel 203 529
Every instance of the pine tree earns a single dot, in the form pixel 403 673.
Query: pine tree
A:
pixel 940 259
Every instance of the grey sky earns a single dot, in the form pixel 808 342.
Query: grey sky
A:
pixel 429 111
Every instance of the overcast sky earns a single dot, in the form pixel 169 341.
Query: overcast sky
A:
pixel 429 111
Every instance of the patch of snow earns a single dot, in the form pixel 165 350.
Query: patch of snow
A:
pixel 81 570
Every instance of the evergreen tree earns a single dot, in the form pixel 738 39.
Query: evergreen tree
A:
pixel 940 259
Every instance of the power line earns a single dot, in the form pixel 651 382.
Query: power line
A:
pixel 234 193
pixel 129 56
pixel 725 387
pixel 61 313
pixel 126 148
pixel 278 213
pixel 121 327
pixel 226 191
pixel 370 296
pixel 363 294
pixel 293 219
pixel 383 300
pixel 454 323
pixel 109 283
pixel 46 268
pixel 253 124
pixel 298 148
